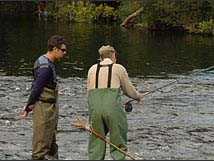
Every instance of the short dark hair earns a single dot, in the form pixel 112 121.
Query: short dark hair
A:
pixel 56 41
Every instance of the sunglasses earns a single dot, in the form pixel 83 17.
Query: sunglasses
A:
pixel 63 50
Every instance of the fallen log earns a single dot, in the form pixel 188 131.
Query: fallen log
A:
pixel 130 19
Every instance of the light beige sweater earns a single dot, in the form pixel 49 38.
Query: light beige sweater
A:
pixel 120 79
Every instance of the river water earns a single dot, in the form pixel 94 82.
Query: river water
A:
pixel 146 54
pixel 175 122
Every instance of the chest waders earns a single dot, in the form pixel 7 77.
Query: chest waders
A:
pixel 106 115
pixel 45 120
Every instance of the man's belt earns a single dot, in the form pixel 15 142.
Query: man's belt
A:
pixel 51 101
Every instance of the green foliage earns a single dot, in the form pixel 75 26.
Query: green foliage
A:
pixel 74 11
pixel 126 8
pixel 191 16
pixel 105 12
pixel 206 27
pixel 83 11
pixel 160 14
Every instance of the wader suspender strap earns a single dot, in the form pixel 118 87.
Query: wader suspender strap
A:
pixel 109 74
pixel 97 75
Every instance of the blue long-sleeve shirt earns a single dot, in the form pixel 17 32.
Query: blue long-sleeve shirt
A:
pixel 44 76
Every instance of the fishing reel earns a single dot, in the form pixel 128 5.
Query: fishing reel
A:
pixel 128 106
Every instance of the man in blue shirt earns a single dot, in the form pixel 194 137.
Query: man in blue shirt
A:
pixel 43 100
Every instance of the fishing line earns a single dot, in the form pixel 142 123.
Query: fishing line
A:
pixel 128 106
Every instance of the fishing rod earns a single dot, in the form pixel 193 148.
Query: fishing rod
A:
pixel 128 105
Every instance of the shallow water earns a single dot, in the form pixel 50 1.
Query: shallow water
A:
pixel 174 123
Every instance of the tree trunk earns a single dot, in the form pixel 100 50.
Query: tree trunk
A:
pixel 128 22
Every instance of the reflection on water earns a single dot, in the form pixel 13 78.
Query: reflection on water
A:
pixel 144 54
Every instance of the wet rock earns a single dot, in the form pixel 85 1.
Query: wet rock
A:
pixel 7 122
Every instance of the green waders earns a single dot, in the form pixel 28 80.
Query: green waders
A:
pixel 45 119
pixel 106 115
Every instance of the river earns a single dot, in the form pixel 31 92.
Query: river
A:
pixel 147 54
pixel 175 122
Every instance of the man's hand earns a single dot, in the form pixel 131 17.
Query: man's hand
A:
pixel 24 113
pixel 142 95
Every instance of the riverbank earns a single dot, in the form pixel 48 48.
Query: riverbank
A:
pixel 174 123
pixel 194 17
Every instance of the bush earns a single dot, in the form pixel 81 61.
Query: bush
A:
pixel 206 27
pixel 191 16
pixel 126 8
pixel 81 11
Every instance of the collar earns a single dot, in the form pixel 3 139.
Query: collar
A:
pixel 106 61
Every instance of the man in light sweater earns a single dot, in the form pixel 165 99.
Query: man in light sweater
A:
pixel 104 84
